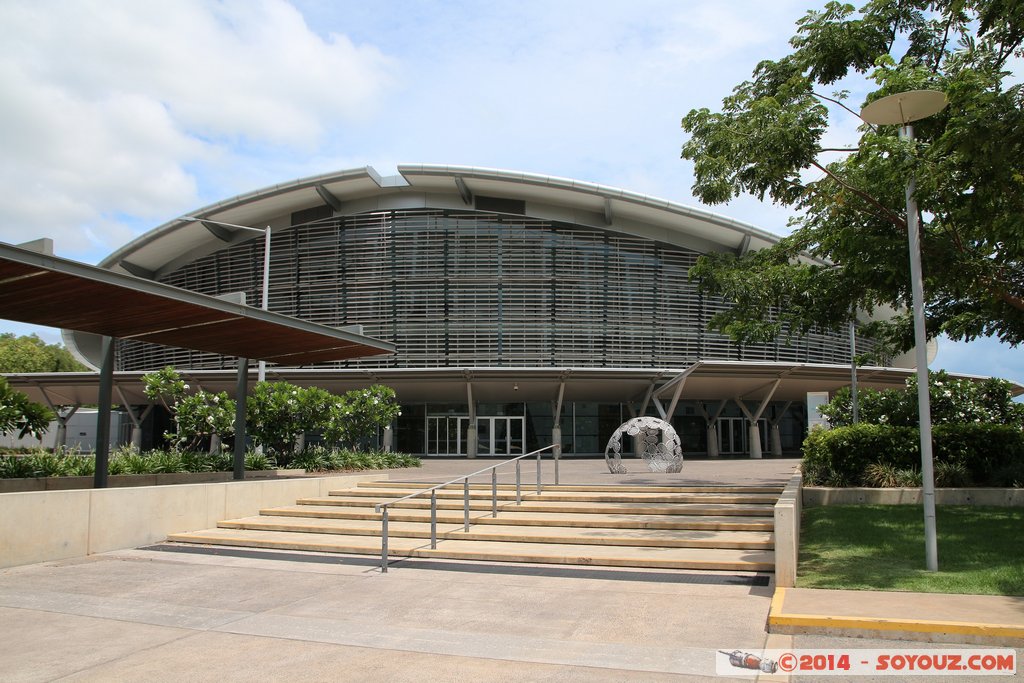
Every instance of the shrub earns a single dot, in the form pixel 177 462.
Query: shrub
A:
pixel 258 461
pixel 840 457
pixel 314 459
pixel 16 467
pixel 194 461
pixel 164 462
pixel 953 401
pixel 885 455
pixel 952 475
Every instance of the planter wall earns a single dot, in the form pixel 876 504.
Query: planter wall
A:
pixel 819 495
pixel 124 480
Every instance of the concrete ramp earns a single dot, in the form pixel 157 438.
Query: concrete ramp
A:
pixel 708 528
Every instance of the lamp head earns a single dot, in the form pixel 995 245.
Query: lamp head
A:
pixel 904 107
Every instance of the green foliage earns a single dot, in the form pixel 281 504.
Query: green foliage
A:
pixel 18 414
pixel 841 456
pixel 848 249
pixel 197 416
pixel 41 463
pixel 314 459
pixel 981 454
pixel 259 461
pixel 128 460
pixel 359 414
pixel 279 412
pixel 952 401
pixel 32 354
pixel 165 386
pixel 202 415
pixel 275 415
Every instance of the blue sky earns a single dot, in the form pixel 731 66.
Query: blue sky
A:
pixel 118 115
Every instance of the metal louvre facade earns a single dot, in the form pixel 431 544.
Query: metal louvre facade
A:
pixel 463 288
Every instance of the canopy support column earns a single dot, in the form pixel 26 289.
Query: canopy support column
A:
pixel 103 413
pixel 776 434
pixel 712 422
pixel 241 392
pixel 556 425
pixel 755 433
pixel 61 438
pixel 472 447
pixel 136 420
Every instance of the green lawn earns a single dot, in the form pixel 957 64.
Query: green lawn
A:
pixel 881 547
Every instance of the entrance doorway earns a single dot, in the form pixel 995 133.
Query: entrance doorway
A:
pixel 733 437
pixel 500 435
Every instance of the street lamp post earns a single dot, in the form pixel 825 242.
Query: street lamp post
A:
pixel 902 109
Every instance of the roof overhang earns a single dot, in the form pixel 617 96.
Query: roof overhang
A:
pixel 704 381
pixel 42 289
pixel 429 186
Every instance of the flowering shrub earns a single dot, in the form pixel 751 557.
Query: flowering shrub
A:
pixel 953 401
pixel 977 438
pixel 197 416
pixel 358 414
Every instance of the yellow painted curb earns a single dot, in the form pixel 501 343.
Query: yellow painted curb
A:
pixel 777 618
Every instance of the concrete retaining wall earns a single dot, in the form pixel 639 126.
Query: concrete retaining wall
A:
pixel 787 532
pixel 41 526
pixel 814 496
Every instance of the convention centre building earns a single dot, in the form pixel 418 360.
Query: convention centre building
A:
pixel 526 310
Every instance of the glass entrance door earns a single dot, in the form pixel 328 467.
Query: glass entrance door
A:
pixel 733 437
pixel 500 435
pixel 446 435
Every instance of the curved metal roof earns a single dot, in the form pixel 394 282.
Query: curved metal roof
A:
pixel 434 186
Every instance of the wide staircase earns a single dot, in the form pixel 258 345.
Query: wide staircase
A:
pixel 724 528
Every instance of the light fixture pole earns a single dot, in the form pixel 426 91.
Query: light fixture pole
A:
pixel 902 109
pixel 264 300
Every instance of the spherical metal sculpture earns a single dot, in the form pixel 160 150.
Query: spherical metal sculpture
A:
pixel 657 442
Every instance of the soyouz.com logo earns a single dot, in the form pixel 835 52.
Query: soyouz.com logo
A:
pixel 891 662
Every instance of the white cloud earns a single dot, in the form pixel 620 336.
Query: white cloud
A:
pixel 109 107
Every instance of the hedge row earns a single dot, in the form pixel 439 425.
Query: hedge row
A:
pixel 972 454
pixel 40 463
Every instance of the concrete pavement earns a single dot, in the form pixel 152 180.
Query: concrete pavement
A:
pixel 226 615
pixel 176 613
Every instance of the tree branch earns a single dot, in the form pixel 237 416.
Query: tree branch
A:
pixel 892 217
pixel 835 101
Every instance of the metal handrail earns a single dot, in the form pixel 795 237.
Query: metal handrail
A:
pixel 383 507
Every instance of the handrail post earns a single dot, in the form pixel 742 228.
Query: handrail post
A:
pixel 519 491
pixel 538 474
pixel 433 520
pixel 494 492
pixel 555 458
pixel 384 540
pixel 465 502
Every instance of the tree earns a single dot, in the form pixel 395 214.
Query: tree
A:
pixel 358 415
pixel 18 413
pixel 275 415
pixel 848 250
pixel 32 354
pixel 197 416
pixel 953 401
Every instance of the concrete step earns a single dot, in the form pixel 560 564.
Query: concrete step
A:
pixel 722 559
pixel 583 519
pixel 512 532
pixel 587 496
pixel 617 488
pixel 541 504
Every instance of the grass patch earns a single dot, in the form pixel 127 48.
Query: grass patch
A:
pixel 881 547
